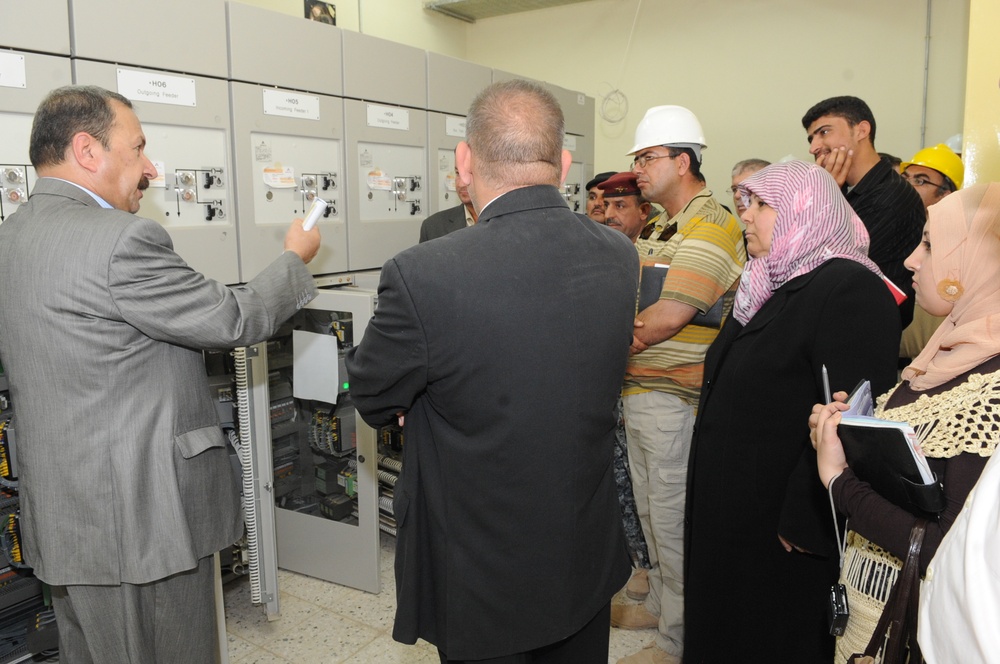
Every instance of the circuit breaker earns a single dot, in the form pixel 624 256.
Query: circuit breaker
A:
pixel 288 150
pixel 386 168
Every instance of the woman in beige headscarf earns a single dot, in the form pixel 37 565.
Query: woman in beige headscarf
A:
pixel 950 394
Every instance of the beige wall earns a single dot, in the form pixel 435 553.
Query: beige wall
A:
pixel 748 69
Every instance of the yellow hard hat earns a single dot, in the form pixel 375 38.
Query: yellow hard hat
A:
pixel 942 159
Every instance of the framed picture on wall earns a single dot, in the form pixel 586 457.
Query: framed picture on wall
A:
pixel 324 12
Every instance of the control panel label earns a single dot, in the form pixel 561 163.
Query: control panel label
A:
pixel 569 142
pixel 388 117
pixel 12 71
pixel 291 104
pixel 157 88
pixel 454 126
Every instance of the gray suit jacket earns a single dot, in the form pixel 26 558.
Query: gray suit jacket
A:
pixel 443 222
pixel 123 468
pixel 506 344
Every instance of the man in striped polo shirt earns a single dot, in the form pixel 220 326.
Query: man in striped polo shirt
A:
pixel 703 246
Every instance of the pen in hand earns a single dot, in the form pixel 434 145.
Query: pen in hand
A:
pixel 826 385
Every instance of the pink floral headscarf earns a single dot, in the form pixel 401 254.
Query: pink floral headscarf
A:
pixel 814 224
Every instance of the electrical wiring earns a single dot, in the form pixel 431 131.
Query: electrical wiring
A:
pixel 246 461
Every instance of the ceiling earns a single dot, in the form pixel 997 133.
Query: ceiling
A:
pixel 471 10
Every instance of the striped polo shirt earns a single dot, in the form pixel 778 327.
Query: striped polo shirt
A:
pixel 706 257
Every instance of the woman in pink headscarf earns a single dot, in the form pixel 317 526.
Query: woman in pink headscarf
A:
pixel 761 553
pixel 950 395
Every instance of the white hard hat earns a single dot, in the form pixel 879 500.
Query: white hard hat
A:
pixel 675 126
pixel 955 143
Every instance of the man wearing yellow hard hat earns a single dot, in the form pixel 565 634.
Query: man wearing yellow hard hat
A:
pixel 934 172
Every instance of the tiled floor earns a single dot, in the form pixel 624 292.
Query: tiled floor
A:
pixel 324 623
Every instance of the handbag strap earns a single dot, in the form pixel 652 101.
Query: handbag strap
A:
pixel 898 612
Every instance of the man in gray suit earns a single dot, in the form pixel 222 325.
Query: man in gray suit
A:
pixel 505 345
pixel 444 222
pixel 126 486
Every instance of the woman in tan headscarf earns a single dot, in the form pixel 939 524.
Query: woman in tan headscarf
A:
pixel 950 395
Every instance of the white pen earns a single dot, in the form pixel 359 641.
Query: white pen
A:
pixel 826 386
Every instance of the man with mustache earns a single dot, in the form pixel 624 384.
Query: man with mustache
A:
pixel 125 483
pixel 595 198
pixel 841 136
pixel 625 209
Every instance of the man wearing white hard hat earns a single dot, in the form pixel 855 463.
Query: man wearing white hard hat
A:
pixel 702 244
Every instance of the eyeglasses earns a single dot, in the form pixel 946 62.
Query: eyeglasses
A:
pixel 642 160
pixel 732 190
pixel 921 180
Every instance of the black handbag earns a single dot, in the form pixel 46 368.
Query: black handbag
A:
pixel 896 632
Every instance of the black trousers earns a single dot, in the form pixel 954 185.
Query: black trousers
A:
pixel 587 646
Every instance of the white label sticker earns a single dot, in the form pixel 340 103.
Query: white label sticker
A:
pixel 12 73
pixel 291 104
pixel 569 142
pixel 279 177
pixel 157 88
pixel 454 126
pixel 379 181
pixel 388 117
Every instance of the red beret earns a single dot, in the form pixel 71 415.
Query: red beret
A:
pixel 620 184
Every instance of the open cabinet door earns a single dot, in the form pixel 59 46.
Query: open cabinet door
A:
pixel 310 484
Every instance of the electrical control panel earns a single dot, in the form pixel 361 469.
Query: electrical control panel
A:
pixel 578 113
pixel 387 175
pixel 316 458
pixel 452 84
pixel 288 150
pixel 317 68
pixel 25 79
pixel 181 35
pixel 35 25
pixel 186 123
pixel 572 189
pixel 384 71
pixel 444 133
pixel 443 178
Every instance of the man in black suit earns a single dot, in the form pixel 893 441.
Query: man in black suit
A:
pixel 451 219
pixel 505 346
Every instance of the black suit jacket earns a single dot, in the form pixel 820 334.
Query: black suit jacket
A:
pixel 506 346
pixel 443 222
